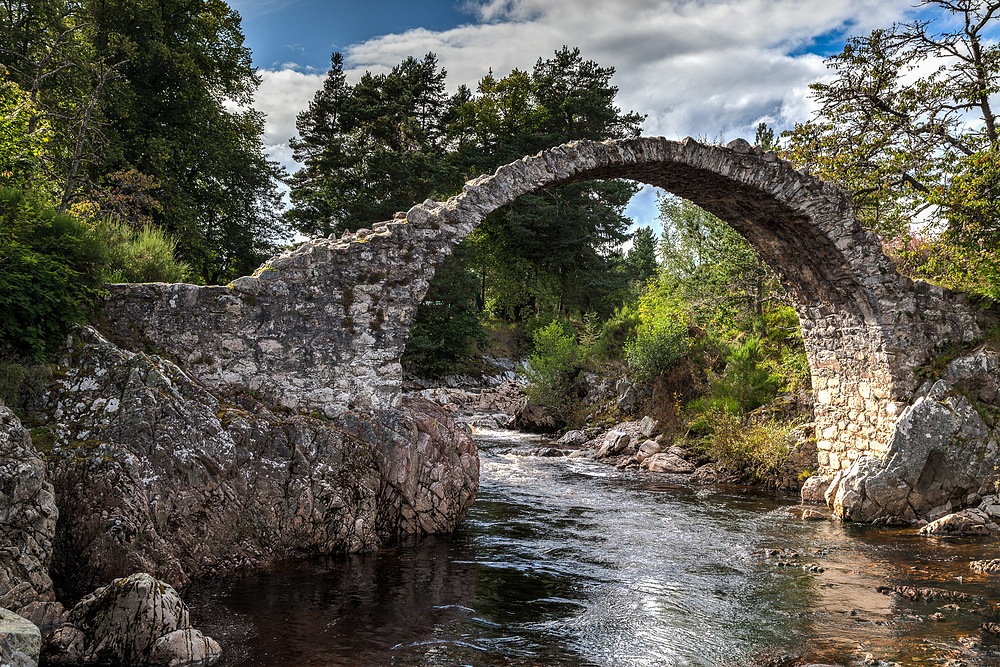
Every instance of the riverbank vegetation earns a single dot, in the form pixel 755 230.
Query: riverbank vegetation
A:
pixel 127 153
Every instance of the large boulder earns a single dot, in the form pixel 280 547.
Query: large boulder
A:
pixel 156 474
pixel 971 522
pixel 135 620
pixel 20 641
pixel 670 463
pixel 534 418
pixel 615 442
pixel 27 518
pixel 941 457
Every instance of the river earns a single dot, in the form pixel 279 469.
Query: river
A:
pixel 570 562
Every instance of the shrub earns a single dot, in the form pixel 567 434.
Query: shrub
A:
pixel 755 450
pixel 660 342
pixel 552 369
pixel 145 255
pixel 617 332
pixel 51 274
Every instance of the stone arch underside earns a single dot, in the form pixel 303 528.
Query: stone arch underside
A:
pixel 323 327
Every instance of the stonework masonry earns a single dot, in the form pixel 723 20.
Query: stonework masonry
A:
pixel 322 328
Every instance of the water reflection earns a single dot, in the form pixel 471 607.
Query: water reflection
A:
pixel 569 562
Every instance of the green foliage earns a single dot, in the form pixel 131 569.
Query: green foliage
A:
pixel 161 90
pixel 756 450
pixel 618 331
pixel 51 274
pixel 370 149
pixel 640 262
pixel 662 338
pixel 747 381
pixel 447 330
pixel 916 145
pixel 23 138
pixel 143 255
pixel 711 268
pixel 552 369
pixel 393 139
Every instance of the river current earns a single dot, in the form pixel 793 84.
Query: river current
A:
pixel 569 562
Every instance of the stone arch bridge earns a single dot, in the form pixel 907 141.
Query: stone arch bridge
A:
pixel 322 328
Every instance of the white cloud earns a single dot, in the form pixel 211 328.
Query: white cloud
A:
pixel 709 68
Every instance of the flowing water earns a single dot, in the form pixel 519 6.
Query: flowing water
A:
pixel 571 562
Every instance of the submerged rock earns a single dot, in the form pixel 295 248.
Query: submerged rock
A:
pixel 991 566
pixel 706 474
pixel 969 522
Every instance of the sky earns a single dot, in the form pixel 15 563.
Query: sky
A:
pixel 710 69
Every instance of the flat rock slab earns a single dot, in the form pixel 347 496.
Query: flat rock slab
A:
pixel 20 640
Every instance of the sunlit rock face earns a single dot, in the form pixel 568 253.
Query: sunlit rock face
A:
pixel 942 456
pixel 322 328
pixel 154 473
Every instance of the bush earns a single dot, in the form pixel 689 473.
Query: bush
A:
pixel 617 332
pixel 660 342
pixel 51 274
pixel 552 369
pixel 145 255
pixel 755 450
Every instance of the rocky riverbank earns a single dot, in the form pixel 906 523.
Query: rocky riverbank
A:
pixel 133 468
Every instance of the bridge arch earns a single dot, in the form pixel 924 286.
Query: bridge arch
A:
pixel 323 327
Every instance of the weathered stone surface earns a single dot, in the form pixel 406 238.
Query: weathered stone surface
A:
pixel 614 442
pixel 814 489
pixel 706 474
pixel 668 463
pixel 323 326
pixel 534 419
pixel 27 518
pixel 137 620
pixel 184 648
pixel 969 522
pixel 647 449
pixel 991 566
pixel 572 439
pixel 810 514
pixel 20 640
pixel 155 474
pixel 941 452
pixel 648 426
